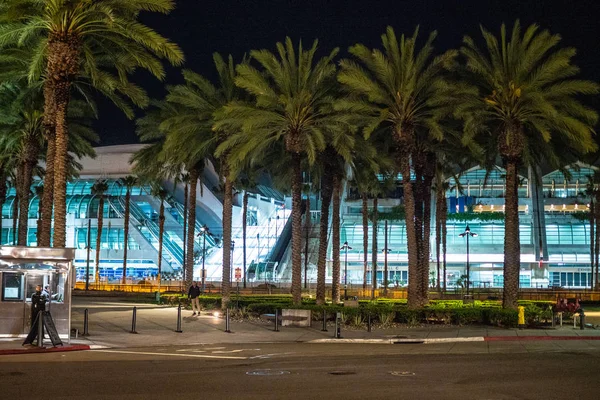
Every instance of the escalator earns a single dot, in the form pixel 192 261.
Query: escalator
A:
pixel 148 228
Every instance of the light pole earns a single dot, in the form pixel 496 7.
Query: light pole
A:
pixel 346 247
pixel 468 234
pixel 203 231
pixel 231 263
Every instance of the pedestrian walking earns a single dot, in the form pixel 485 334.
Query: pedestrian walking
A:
pixel 193 294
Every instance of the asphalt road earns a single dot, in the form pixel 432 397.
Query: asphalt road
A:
pixel 308 371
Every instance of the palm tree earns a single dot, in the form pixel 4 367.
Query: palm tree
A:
pixel 402 89
pixel 129 182
pixel 326 196
pixel 520 100
pixel 197 102
pixel 98 190
pixel 74 39
pixel 162 194
pixel 293 112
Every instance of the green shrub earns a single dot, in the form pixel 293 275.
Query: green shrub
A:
pixel 467 315
pixel 501 317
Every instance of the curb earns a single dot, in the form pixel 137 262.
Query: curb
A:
pixel 401 341
pixel 32 350
pixel 527 338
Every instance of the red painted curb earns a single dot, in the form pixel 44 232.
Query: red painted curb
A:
pixel 523 338
pixel 31 350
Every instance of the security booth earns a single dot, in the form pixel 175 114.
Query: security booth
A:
pixel 21 270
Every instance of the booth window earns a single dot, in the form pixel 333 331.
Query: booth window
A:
pixel 12 286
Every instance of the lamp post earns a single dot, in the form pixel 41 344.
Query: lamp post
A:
pixel 231 263
pixel 468 234
pixel 203 231
pixel 346 247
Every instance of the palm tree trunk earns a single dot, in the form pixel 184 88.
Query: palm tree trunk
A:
pixel 365 224
pixel 62 68
pixel 444 232
pixel 296 228
pixel 15 216
pixel 126 233
pixel 326 193
pixel 189 260
pixel 185 220
pixel 161 231
pixel 227 221
pixel 425 243
pixel 99 237
pixel 592 241
pixel 411 232
pixel 335 227
pixel 24 186
pixel 3 190
pixel 244 228
pixel 512 248
pixel 60 173
pixel 597 237
pixel 374 249
pixel 48 194
pixel 438 231
pixel 307 222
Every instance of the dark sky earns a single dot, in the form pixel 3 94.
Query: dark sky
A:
pixel 202 27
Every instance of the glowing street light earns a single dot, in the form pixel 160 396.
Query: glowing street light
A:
pixel 346 247
pixel 468 234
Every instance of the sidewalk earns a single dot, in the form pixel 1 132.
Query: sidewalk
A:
pixel 110 324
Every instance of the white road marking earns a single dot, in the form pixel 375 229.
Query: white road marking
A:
pixel 173 355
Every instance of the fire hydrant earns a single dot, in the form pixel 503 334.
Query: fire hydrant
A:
pixel 521 317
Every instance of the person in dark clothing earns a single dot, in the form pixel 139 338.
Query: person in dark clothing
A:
pixel 38 303
pixel 193 294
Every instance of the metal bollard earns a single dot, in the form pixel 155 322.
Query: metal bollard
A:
pixel 369 323
pixel 338 328
pixel 178 330
pixel 581 319
pixel 554 319
pixel 227 330
pixel 324 322
pixel 40 337
pixel 276 320
pixel 133 320
pixel 86 321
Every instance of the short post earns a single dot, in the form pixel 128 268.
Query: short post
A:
pixel 324 321
pixel 86 321
pixel 40 337
pixel 560 315
pixel 227 330
pixel 178 330
pixel 276 320
pixel 554 315
pixel 369 322
pixel 133 320
pixel 338 328
pixel 581 319
pixel 521 317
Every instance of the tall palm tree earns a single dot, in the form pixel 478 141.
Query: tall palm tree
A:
pixel 197 102
pixel 98 190
pixel 292 110
pixel 402 89
pixel 129 182
pixel 161 193
pixel 71 39
pixel 520 99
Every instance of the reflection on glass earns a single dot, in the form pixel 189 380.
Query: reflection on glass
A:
pixel 12 286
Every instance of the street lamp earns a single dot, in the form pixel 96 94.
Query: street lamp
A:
pixel 346 247
pixel 386 250
pixel 203 231
pixel 468 234
pixel 231 263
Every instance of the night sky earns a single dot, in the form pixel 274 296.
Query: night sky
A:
pixel 202 27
